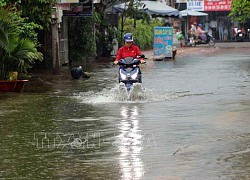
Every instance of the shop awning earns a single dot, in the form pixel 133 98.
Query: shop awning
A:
pixel 187 12
pixel 152 8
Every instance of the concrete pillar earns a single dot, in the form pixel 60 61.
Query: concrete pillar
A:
pixel 64 47
pixel 55 44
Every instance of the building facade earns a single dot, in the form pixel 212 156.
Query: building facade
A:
pixel 218 21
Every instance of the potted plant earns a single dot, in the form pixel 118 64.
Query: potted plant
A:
pixel 16 55
pixel 18 41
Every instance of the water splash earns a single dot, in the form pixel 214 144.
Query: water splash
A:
pixel 119 94
pixel 137 94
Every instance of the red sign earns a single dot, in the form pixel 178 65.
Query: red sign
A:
pixel 217 5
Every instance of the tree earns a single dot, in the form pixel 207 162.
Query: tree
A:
pixel 32 16
pixel 18 45
pixel 81 39
pixel 16 54
pixel 31 20
pixel 143 33
pixel 104 29
pixel 133 10
pixel 240 10
pixel 38 11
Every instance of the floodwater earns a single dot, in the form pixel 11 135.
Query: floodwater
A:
pixel 190 121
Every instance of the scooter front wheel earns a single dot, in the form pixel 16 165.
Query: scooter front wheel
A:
pixel 128 86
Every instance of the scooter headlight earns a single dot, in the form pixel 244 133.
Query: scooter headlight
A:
pixel 134 76
pixel 123 76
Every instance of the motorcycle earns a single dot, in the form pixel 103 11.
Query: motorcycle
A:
pixel 129 72
pixel 209 39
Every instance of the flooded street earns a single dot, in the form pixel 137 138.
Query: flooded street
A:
pixel 192 122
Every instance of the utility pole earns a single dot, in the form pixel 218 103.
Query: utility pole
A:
pixel 55 43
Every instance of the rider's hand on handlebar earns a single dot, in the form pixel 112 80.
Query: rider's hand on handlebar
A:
pixel 142 61
pixel 116 62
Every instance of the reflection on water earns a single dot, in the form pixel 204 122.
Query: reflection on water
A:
pixel 130 143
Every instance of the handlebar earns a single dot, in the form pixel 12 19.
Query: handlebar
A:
pixel 120 64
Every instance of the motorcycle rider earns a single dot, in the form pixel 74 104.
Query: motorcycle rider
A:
pixel 201 33
pixel 192 31
pixel 128 49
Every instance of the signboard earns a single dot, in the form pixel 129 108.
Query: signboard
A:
pixel 163 41
pixel 83 8
pixel 215 5
pixel 64 6
pixel 195 5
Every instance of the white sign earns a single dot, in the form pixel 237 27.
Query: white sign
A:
pixel 181 1
pixel 195 5
pixel 68 1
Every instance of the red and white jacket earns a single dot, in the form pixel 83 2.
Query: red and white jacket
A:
pixel 124 51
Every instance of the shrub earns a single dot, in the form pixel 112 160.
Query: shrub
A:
pixel 143 33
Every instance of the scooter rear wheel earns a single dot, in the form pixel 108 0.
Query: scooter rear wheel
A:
pixel 211 42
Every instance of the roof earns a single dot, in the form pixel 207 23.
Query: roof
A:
pixel 151 7
pixel 187 12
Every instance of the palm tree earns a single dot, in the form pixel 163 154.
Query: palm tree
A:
pixel 16 54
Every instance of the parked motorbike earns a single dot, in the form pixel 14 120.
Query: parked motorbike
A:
pixel 210 40
pixel 129 71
